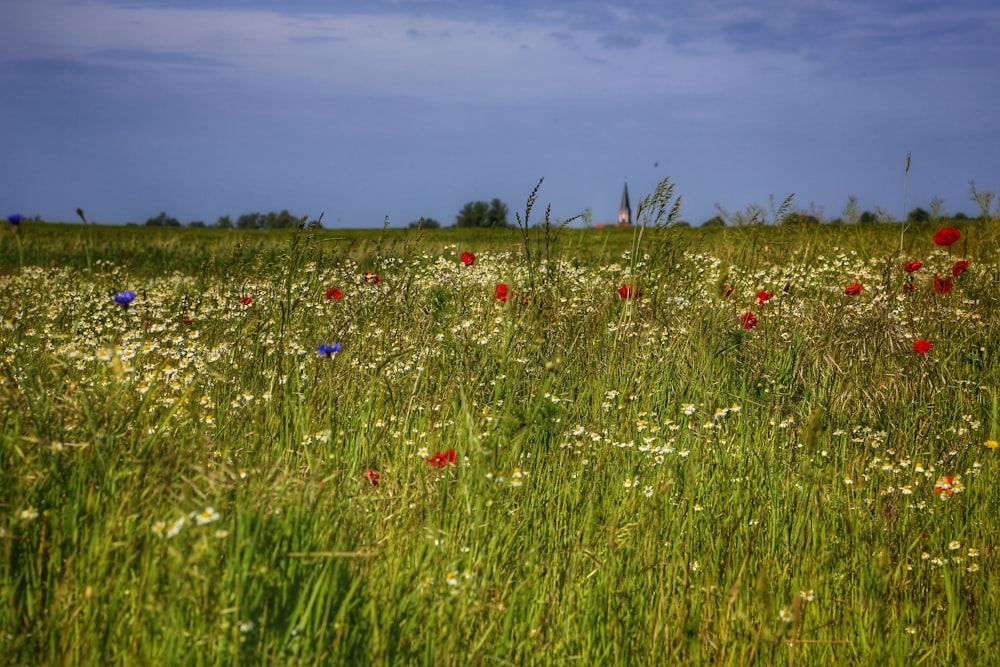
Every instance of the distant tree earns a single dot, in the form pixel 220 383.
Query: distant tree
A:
pixel 163 220
pixel 281 220
pixel 250 221
pixel 918 215
pixel 425 223
pixel 714 221
pixel 273 220
pixel 481 214
pixel 883 216
pixel 960 216
pixel 224 222
pixel 682 223
pixel 867 218
pixel 196 223
pixel 983 199
pixel 852 213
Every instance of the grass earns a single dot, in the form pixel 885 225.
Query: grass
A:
pixel 636 481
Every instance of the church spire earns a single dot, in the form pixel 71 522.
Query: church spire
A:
pixel 625 212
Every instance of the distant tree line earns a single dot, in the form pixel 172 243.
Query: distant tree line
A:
pixel 473 214
pixel 272 220
pixel 482 214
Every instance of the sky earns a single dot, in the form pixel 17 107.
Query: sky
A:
pixel 411 108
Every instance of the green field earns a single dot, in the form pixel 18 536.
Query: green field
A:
pixel 568 476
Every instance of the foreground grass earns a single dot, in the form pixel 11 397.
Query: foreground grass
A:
pixel 636 481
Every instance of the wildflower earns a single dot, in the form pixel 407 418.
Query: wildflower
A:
pixel 207 515
pixel 124 298
pixel 246 626
pixel 954 545
pixel 764 297
pixel 913 266
pixel 371 278
pixel 942 285
pixel 175 527
pixel 748 320
pixel 441 459
pixel 245 300
pixel 921 346
pixel 15 222
pixel 991 444
pixel 807 595
pixel 29 514
pixel 468 259
pixel 79 212
pixel 854 289
pixel 785 616
pixel 688 409
pixel 945 484
pixel 158 528
pixel 328 350
pixel 946 236
pixel 909 287
pixel 727 290
pixel 56 447
pixel 959 267
pixel 628 291
pixel 333 293
pixel 372 476
pixel 502 290
pixel 188 322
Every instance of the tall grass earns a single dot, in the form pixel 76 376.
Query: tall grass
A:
pixel 636 481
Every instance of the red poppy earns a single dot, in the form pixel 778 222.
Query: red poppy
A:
pixel 946 236
pixel 944 483
pixel 502 290
pixel 245 300
pixel 371 278
pixel 441 459
pixel 727 290
pixel 959 268
pixel 910 267
pixel 468 259
pixel 922 346
pixel 188 322
pixel 909 287
pixel 748 320
pixel 628 291
pixel 372 476
pixel 942 285
pixel 763 297
pixel 333 293
pixel 854 289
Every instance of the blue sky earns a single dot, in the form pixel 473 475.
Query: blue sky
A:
pixel 411 108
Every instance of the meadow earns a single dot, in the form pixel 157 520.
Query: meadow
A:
pixel 653 445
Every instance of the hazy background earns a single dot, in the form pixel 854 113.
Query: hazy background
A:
pixel 412 108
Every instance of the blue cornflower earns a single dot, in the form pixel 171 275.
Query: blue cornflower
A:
pixel 124 298
pixel 14 219
pixel 327 349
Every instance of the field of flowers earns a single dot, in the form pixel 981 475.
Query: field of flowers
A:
pixel 659 446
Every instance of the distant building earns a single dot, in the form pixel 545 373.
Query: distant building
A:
pixel 625 212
